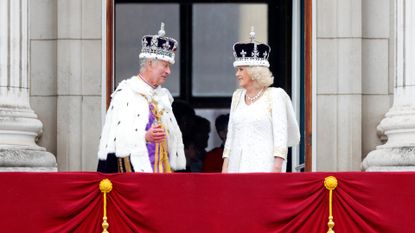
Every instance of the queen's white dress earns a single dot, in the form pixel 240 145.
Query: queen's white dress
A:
pixel 260 131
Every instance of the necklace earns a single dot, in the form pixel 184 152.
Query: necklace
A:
pixel 252 99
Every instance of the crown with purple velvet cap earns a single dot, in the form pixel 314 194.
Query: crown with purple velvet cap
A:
pixel 158 46
pixel 253 53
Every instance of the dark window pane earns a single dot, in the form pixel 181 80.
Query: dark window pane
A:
pixel 216 27
pixel 133 21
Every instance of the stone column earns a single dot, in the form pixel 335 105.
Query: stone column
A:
pixel 338 85
pixel 19 125
pixel 398 125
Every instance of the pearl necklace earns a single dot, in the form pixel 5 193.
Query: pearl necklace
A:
pixel 252 99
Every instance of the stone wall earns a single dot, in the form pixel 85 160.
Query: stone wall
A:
pixel 354 78
pixel 378 68
pixel 65 46
pixel 354 82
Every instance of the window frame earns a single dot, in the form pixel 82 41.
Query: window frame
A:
pixel 276 13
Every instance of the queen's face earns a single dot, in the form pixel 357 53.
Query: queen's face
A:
pixel 243 77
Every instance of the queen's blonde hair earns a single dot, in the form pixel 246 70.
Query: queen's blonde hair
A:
pixel 262 75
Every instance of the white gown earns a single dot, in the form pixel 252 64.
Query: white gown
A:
pixel 259 132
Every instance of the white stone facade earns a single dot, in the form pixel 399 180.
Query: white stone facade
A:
pixel 354 78
pixel 398 153
pixel 65 44
pixel 355 71
pixel 19 125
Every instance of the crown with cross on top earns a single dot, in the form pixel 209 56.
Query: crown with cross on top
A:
pixel 158 46
pixel 253 53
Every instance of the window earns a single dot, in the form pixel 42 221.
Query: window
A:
pixel 133 21
pixel 206 30
pixel 216 27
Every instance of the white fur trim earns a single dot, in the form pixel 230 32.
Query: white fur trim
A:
pixel 158 56
pixel 128 140
pixel 174 135
pixel 250 62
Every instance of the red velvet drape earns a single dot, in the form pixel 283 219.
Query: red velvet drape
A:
pixel 199 203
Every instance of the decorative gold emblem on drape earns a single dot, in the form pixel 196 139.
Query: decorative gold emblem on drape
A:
pixel 330 183
pixel 105 186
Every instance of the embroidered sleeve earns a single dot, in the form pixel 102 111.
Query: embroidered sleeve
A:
pixel 280 152
pixel 225 153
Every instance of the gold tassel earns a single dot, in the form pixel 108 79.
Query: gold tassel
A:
pixel 161 157
pixel 156 159
pixel 105 186
pixel 330 183
pixel 165 158
pixel 161 153
pixel 161 161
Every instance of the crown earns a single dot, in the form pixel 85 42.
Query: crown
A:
pixel 158 46
pixel 253 53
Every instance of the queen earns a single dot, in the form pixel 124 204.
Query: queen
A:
pixel 262 122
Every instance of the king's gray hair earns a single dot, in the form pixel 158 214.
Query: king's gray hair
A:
pixel 143 62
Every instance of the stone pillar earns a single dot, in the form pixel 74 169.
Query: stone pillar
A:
pixel 78 83
pixel 338 85
pixel 398 153
pixel 19 125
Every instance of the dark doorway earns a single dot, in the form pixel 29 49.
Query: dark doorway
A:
pixel 206 31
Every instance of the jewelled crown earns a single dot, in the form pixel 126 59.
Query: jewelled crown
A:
pixel 158 46
pixel 251 54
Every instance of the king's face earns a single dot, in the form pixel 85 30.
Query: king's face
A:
pixel 161 71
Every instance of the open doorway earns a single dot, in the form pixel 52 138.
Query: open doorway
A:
pixel 203 74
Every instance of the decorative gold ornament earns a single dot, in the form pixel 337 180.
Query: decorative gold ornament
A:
pixel 105 186
pixel 161 163
pixel 330 183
